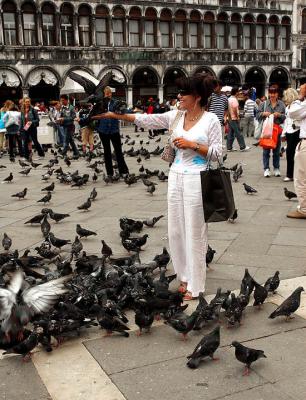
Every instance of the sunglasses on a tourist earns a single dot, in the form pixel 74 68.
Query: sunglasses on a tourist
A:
pixel 183 92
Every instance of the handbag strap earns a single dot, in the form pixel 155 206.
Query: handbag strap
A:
pixel 175 121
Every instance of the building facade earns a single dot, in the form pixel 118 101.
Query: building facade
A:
pixel 147 44
pixel 299 42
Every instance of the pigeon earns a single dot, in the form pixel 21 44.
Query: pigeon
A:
pixel 45 199
pixel 106 250
pixel 26 172
pixel 23 164
pixel 233 218
pixel 290 195
pixel 111 323
pixel 25 347
pixel 94 177
pixel 6 242
pixel 272 283
pixel 249 189
pixel 20 195
pixel 162 259
pixel 184 325
pixel 49 188
pixel 45 227
pixel 36 219
pixel 210 253
pixel 57 217
pixel 290 305
pixel 82 232
pixel 35 165
pixel 67 161
pixel 76 247
pixel 85 206
pixel 93 194
pixel 260 294
pixel 248 281
pixel 56 242
pixel 9 178
pixel 150 222
pixel 143 320
pixel 234 311
pixel 247 355
pixel 205 348
pixel 151 189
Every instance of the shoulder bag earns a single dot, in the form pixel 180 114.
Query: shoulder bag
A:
pixel 168 153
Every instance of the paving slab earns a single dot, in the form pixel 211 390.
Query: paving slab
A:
pixel 20 380
pixel 290 236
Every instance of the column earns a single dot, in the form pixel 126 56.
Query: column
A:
pixel 172 33
pixel 19 28
pixel 93 31
pixel 39 28
pixel 129 96
pixel 25 91
pixel 76 30
pixel 126 36
pixel 186 34
pixel 142 32
pixel 161 92
pixel 158 34
pixel 57 29
pixel 110 31
pixel 1 30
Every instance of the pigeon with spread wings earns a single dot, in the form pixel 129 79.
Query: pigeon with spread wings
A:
pixel 19 303
pixel 96 93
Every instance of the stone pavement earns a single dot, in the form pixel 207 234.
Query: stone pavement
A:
pixel 153 366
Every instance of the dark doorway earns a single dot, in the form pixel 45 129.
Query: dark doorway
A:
pixel 230 77
pixel 170 89
pixel 42 92
pixel 256 78
pixel 145 85
pixel 280 78
pixel 10 93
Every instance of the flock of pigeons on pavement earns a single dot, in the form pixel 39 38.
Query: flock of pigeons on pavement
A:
pixel 50 296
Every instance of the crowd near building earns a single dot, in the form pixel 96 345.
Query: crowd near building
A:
pixel 148 44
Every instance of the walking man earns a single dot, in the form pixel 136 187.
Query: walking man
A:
pixel 248 119
pixel 218 105
pixel 234 129
pixel 66 122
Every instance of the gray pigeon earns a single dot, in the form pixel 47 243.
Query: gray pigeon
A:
pixel 272 283
pixel 247 355
pixel 6 242
pixel 76 247
pixel 290 305
pixel 205 348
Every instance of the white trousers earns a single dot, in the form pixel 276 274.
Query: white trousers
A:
pixel 187 230
pixel 300 175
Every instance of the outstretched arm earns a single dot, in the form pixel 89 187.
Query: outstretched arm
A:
pixel 112 115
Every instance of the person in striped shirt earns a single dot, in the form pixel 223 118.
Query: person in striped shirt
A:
pixel 247 122
pixel 218 104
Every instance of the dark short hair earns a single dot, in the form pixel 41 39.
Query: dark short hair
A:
pixel 64 96
pixel 200 84
pixel 234 91
pixel 273 89
pixel 219 82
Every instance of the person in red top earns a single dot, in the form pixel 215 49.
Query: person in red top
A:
pixel 233 118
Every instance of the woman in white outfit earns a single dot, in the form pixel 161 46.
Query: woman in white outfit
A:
pixel 197 137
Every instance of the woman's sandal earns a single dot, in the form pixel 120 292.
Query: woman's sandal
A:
pixel 182 289
pixel 188 296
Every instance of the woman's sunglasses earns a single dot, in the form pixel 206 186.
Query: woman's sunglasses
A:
pixel 183 92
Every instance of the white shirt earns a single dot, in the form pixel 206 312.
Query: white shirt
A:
pixel 206 131
pixel 290 125
pixel 298 112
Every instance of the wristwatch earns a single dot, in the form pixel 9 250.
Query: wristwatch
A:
pixel 197 147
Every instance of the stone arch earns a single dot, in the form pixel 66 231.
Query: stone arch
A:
pixel 204 69
pixel 256 77
pixel 230 76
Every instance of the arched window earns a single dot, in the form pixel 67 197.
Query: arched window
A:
pixel 150 27
pixel 247 32
pixel 67 38
pixel 272 32
pixel 220 31
pixel 273 5
pixel 48 24
pixel 235 32
pixel 29 24
pixel 118 26
pixel 180 29
pixel 134 26
pixel 234 3
pixel 250 4
pixel 84 25
pixel 224 2
pixel 194 29
pixel 209 21
pixel 304 20
pixel 102 30
pixel 284 33
pixel 9 23
pixel 261 4
pixel 260 32
pixel 165 19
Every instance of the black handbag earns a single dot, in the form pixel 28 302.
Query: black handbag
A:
pixel 217 194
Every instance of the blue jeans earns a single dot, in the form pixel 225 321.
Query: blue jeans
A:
pixel 68 140
pixel 60 133
pixel 276 152
pixel 234 132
